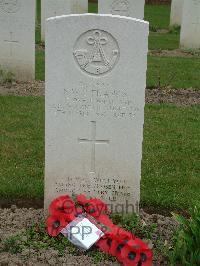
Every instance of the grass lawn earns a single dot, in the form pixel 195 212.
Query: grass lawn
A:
pixel 170 153
pixel 158 16
pixel 163 41
pixel 21 147
pixel 173 71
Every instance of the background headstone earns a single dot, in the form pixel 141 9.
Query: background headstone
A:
pixel 129 8
pixel 176 12
pixel 95 97
pixel 79 6
pixel 52 8
pixel 190 28
pixel 17 38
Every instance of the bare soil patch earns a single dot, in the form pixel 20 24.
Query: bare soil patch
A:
pixel 179 97
pixel 30 88
pixel 174 53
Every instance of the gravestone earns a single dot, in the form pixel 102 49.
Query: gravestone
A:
pixel 95 97
pixel 190 28
pixel 129 8
pixel 17 38
pixel 176 12
pixel 52 8
pixel 79 6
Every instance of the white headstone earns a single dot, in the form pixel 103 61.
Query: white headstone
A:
pixel 129 8
pixel 95 97
pixel 79 6
pixel 190 28
pixel 17 37
pixel 176 12
pixel 52 8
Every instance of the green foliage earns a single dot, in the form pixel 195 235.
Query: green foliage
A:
pixel 187 240
pixel 134 224
pixel 13 245
pixel 99 256
pixel 175 29
pixel 6 76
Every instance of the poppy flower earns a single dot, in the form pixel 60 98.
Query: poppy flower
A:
pixel 55 224
pixel 123 234
pixel 113 249
pixel 105 220
pixel 69 217
pixel 94 207
pixel 82 200
pixel 104 244
pixel 69 206
pixel 130 256
pixel 59 204
pixel 78 211
pixel 146 258
pixel 146 255
pixel 100 206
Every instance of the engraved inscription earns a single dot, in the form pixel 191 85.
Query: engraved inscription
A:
pixel 120 7
pixel 110 188
pixel 93 141
pixel 10 6
pixel 97 100
pixel 96 52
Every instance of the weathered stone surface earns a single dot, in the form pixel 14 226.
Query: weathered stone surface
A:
pixel 95 96
pixel 52 8
pixel 176 12
pixel 17 38
pixel 190 28
pixel 129 8
pixel 79 6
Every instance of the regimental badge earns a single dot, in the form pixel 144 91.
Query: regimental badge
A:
pixel 96 52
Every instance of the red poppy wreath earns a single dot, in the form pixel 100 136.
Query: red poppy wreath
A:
pixel 126 247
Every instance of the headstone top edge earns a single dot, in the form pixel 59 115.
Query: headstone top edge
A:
pixel 97 15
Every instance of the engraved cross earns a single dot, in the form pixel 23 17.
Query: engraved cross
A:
pixel 11 42
pixel 93 141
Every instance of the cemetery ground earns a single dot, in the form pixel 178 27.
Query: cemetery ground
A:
pixel 170 166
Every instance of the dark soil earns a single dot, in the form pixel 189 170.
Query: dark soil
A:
pixel 179 97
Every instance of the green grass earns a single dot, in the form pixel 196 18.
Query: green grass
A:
pixel 174 72
pixel 40 65
pixel 21 147
pixel 163 41
pixel 158 16
pixel 93 8
pixel 170 165
pixel 38 23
